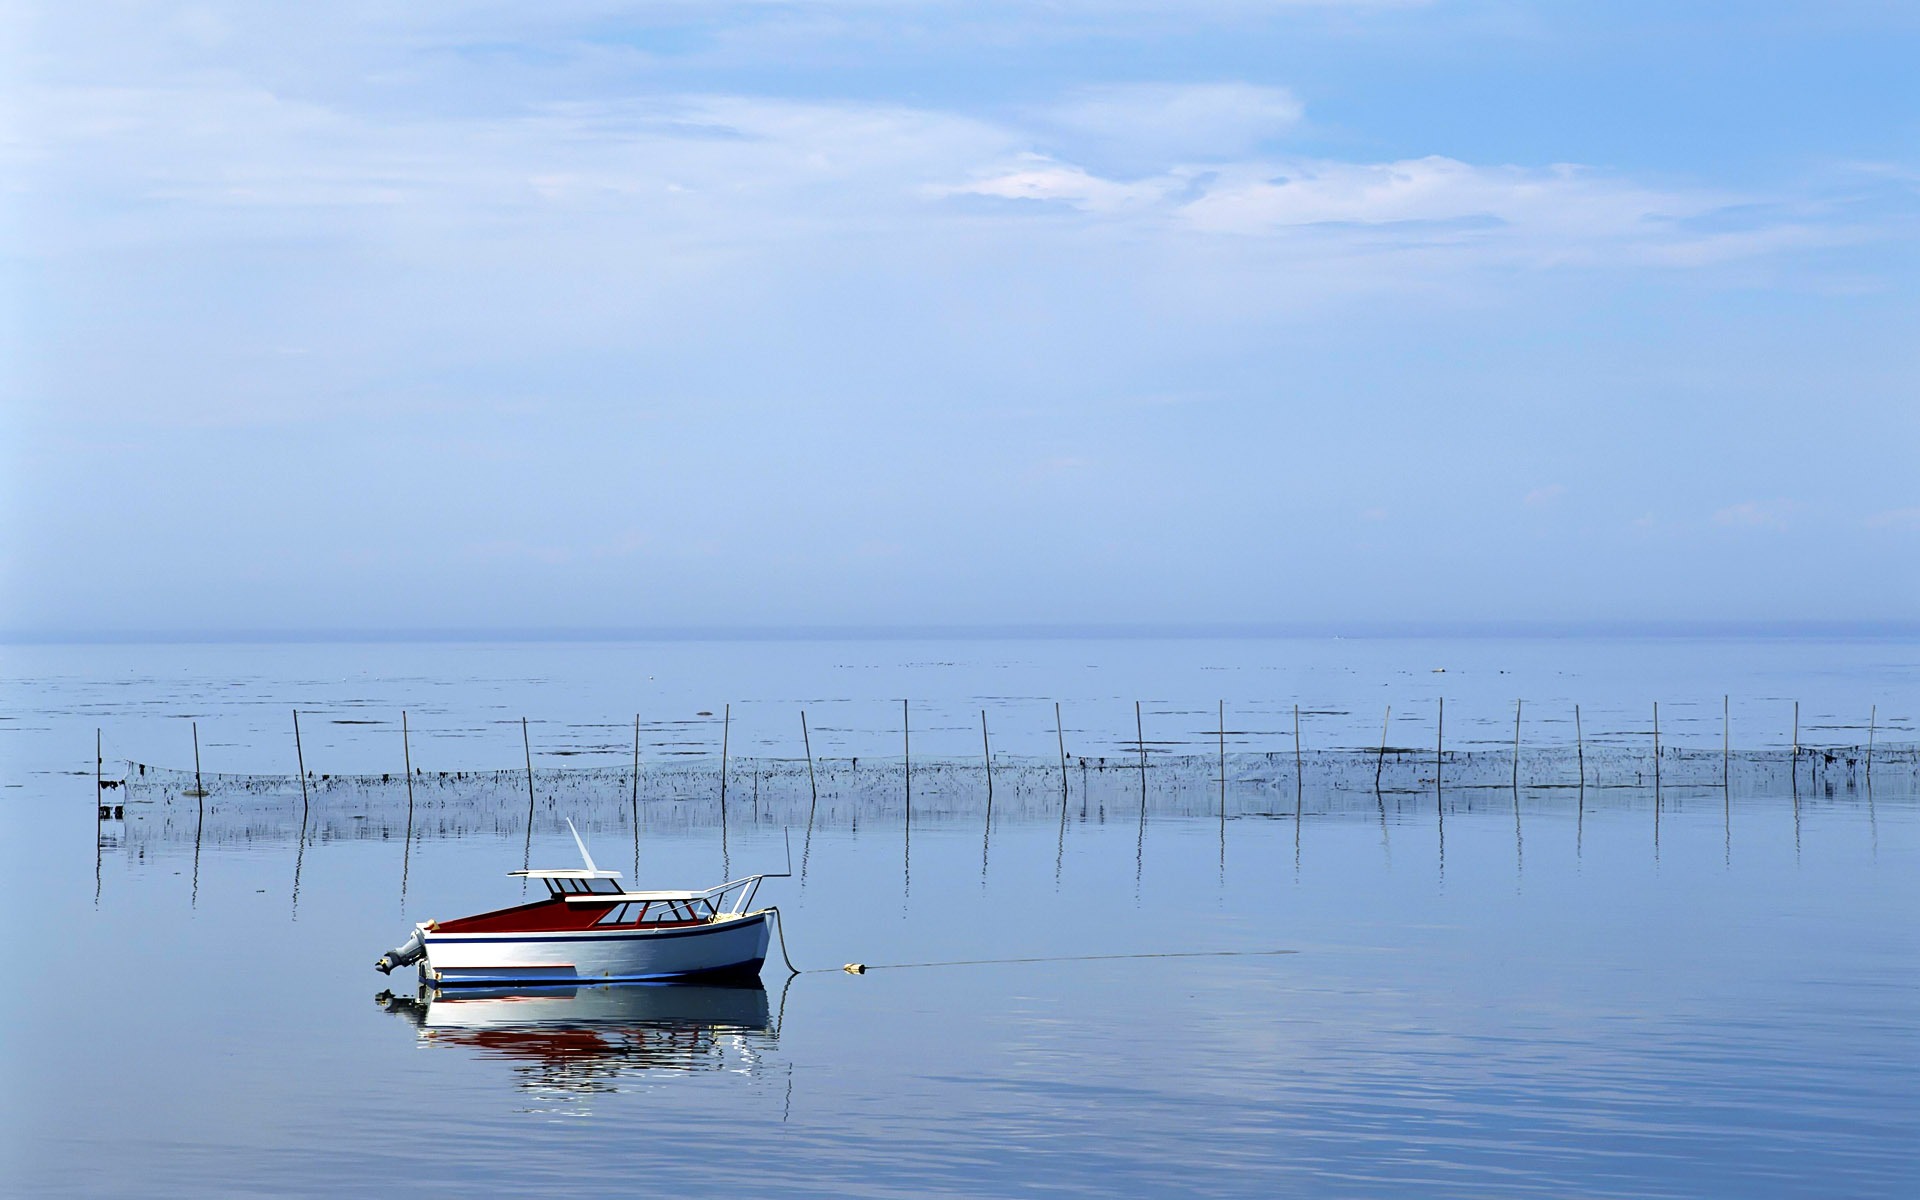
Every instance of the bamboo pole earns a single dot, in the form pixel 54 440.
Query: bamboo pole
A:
pixel 1580 748
pixel 726 727
pixel 526 744
pixel 1298 770
pixel 300 757
pixel 1299 788
pixel 99 814
pixel 200 816
pixel 813 784
pixel 100 807
pixel 1223 792
pixel 407 751
pixel 1873 716
pixel 1439 741
pixel 98 789
pixel 406 841
pixel 635 799
pixel 986 830
pixel 1726 741
pixel 1059 731
pixel 1381 761
pixel 986 752
pixel 1140 740
pixel 1223 758
pixel 1656 781
pixel 1140 839
pixel 1516 744
pixel 906 825
pixel 1796 776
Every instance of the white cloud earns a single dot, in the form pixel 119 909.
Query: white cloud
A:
pixel 1540 497
pixel 1175 122
pixel 1895 518
pixel 1553 216
pixel 1756 514
pixel 1259 199
pixel 113 164
pixel 1036 177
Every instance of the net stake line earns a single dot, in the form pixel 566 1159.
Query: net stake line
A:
pixel 1060 733
pixel 1381 761
pixel 526 855
pixel 300 757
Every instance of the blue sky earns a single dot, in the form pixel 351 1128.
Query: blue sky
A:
pixel 870 313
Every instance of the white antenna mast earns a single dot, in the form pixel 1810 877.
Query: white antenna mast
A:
pixel 582 845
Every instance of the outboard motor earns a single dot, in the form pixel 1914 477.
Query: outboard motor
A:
pixel 409 951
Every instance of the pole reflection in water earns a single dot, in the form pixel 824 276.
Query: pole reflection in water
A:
pixel 1439 796
pixel 578 1042
pixel 1580 824
pixel 1873 819
pixel 1519 846
pixel 1060 839
pixel 300 856
pixel 1140 842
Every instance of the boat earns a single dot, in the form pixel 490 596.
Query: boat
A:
pixel 590 929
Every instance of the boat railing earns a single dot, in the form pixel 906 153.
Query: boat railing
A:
pixel 714 899
pixel 745 888
pixel 747 885
pixel 742 889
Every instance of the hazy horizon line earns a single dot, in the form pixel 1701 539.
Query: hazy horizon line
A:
pixel 1010 631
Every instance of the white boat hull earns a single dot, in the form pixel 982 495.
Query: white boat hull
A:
pixel 735 946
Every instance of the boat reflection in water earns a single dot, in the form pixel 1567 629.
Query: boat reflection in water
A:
pixel 581 1040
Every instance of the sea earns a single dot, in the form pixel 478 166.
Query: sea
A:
pixel 1596 915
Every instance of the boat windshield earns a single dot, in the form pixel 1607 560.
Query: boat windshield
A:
pixel 658 912
pixel 580 886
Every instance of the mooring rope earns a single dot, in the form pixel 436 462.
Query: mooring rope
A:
pixel 780 927
pixel 863 968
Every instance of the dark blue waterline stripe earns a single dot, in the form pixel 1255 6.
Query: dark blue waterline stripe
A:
pixel 570 981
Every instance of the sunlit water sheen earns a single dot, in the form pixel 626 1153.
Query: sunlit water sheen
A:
pixel 1724 1000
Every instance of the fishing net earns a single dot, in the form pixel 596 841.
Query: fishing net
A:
pixel 689 793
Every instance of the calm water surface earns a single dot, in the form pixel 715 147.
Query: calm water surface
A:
pixel 1477 996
